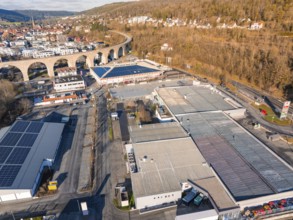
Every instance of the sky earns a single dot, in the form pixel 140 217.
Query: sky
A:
pixel 54 5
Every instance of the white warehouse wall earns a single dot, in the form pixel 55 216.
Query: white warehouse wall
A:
pixel 69 86
pixel 159 199
pixel 9 195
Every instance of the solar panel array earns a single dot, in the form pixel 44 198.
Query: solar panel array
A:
pixel 8 175
pixel 10 139
pixel 35 127
pixel 245 166
pixel 14 149
pixel 27 140
pixel 242 182
pixel 128 70
pixel 20 126
pixel 276 173
pixel 4 152
pixel 100 71
pixel 18 155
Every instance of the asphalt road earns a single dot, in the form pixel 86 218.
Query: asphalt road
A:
pixel 67 168
pixel 285 130
pixel 109 169
pixel 276 102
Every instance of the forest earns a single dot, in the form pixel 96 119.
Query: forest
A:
pixel 10 107
pixel 263 58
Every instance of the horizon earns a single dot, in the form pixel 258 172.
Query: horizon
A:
pixel 55 5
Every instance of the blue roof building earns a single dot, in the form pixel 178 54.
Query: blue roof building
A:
pixel 125 73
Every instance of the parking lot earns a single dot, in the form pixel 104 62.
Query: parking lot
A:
pixel 191 208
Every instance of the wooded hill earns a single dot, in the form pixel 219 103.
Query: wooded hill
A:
pixel 40 15
pixel 261 58
pixel 275 11
pixel 12 16
pixel 25 15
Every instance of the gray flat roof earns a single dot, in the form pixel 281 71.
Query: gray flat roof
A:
pixel 154 132
pixel 67 79
pixel 276 173
pixel 216 191
pixel 140 90
pixel 26 144
pixel 168 163
pixel 245 166
pixel 191 99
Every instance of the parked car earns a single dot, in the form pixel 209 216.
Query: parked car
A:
pixel 198 199
pixel 189 197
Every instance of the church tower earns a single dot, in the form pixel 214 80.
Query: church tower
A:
pixel 33 23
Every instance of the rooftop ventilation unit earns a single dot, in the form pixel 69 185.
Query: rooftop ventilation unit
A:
pixel 205 164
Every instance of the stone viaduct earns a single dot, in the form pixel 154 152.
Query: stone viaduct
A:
pixel 115 52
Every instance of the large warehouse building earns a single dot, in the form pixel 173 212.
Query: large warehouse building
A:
pixel 213 153
pixel 126 72
pixel 251 173
pixel 25 149
pixel 166 159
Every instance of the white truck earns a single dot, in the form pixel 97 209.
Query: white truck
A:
pixel 84 208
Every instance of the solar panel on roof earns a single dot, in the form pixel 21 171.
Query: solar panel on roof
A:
pixel 128 70
pixel 242 182
pixel 35 127
pixel 4 152
pixel 274 171
pixel 233 171
pixel 18 155
pixel 100 71
pixel 8 174
pixel 20 126
pixel 10 139
pixel 27 140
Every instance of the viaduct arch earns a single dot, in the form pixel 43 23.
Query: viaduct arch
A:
pixel 23 65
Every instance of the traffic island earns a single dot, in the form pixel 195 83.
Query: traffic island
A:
pixel 269 115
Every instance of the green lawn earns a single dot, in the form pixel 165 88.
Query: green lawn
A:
pixel 110 129
pixel 271 116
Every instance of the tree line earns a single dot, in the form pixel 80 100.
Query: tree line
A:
pixel 260 58
pixel 11 108
pixel 276 13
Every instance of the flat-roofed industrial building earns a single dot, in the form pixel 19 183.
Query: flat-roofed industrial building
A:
pixel 156 132
pixel 200 98
pixel 248 168
pixel 25 149
pixel 167 159
pixel 162 166
pixel 126 72
pixel 69 83
pixel 251 173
